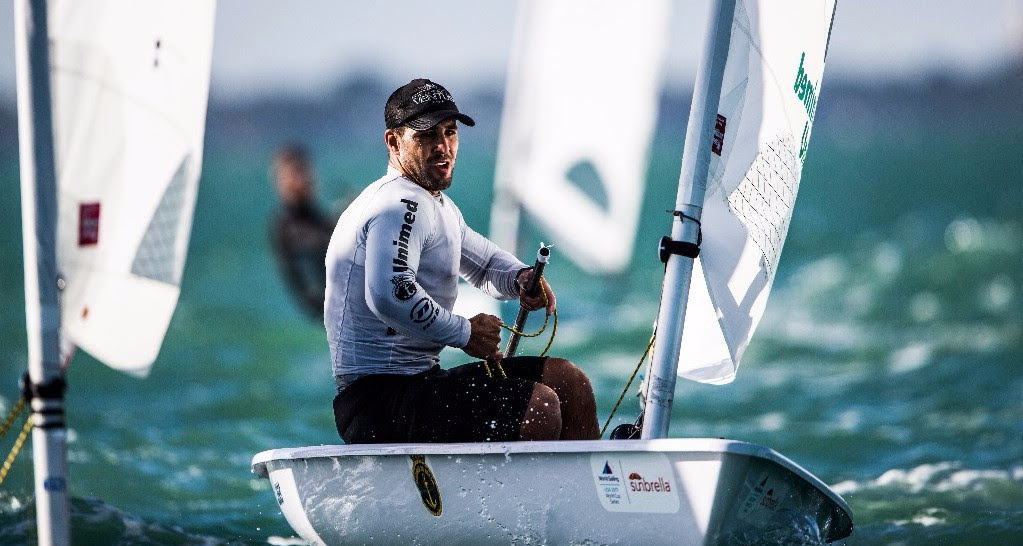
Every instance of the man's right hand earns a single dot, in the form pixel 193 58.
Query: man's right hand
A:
pixel 484 337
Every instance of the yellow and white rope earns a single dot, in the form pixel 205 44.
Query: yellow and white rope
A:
pixel 512 329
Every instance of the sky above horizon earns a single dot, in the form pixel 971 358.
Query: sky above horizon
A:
pixel 307 46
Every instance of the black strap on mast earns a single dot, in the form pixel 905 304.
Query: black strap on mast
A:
pixel 667 246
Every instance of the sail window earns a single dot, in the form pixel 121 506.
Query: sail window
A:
pixel 155 258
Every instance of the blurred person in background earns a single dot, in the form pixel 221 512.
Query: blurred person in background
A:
pixel 299 230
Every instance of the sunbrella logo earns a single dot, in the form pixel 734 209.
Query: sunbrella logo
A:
pixel 637 483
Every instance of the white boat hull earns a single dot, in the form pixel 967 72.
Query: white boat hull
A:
pixel 669 491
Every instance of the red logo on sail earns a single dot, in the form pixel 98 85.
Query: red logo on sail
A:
pixel 718 143
pixel 88 224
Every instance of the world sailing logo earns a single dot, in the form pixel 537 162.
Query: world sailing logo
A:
pixel 806 92
pixel 608 475
pixel 610 486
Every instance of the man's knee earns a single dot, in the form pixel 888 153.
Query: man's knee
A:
pixel 562 374
pixel 542 420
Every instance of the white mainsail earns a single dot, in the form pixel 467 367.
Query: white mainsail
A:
pixel 111 108
pixel 580 109
pixel 767 104
pixel 130 82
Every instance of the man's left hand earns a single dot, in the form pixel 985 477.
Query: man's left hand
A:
pixel 535 301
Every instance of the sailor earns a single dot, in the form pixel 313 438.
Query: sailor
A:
pixel 299 232
pixel 392 270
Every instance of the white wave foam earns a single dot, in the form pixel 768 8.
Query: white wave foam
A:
pixel 911 357
pixel 968 234
pixel 937 477
pixel 999 294
pixel 927 518
pixel 771 422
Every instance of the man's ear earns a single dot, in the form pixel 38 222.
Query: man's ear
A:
pixel 391 140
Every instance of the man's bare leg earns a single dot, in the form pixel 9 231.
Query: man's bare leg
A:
pixel 542 420
pixel 573 389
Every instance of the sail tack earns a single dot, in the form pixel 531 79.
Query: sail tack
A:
pixel 580 108
pixel 130 85
pixel 767 104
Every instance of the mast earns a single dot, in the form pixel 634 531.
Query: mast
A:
pixel 685 231
pixel 45 382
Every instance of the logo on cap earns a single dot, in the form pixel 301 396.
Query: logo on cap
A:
pixel 433 93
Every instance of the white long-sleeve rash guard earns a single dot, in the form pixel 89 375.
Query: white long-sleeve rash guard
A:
pixel 392 279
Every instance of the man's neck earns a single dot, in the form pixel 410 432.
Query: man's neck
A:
pixel 392 163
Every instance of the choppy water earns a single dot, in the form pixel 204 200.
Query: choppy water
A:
pixel 888 363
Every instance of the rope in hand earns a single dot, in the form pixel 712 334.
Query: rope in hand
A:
pixel 19 441
pixel 511 328
pixel 550 341
pixel 649 346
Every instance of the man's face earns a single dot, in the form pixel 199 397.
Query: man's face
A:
pixel 428 157
pixel 294 181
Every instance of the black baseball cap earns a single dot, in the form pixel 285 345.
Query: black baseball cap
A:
pixel 420 104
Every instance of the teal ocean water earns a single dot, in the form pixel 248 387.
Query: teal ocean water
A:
pixel 888 362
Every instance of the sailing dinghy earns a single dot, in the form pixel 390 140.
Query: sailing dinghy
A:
pixel 753 108
pixel 112 106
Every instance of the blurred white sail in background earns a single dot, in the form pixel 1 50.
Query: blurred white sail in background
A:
pixel 130 83
pixel 767 104
pixel 579 115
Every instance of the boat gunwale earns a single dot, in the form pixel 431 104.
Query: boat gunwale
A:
pixel 662 445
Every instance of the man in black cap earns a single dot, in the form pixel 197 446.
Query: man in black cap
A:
pixel 392 270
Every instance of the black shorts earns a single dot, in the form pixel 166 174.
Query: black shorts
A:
pixel 460 404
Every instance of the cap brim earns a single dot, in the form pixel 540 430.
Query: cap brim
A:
pixel 431 119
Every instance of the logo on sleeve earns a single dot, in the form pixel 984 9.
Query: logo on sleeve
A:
pixel 400 261
pixel 404 287
pixel 424 311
